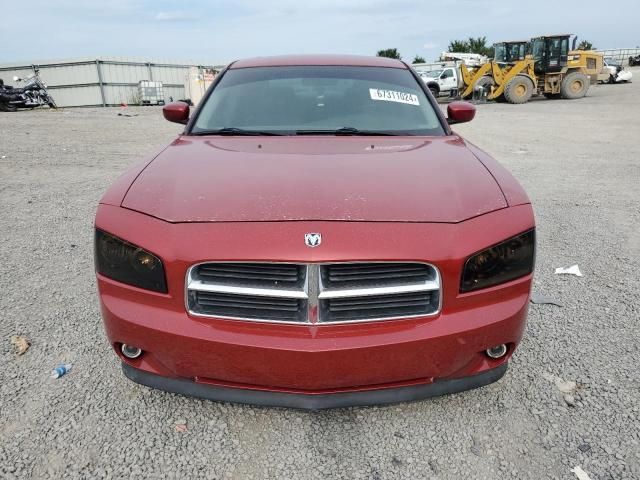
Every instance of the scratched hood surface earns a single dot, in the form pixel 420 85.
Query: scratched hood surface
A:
pixel 251 179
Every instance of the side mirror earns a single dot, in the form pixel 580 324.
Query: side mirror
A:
pixel 177 112
pixel 460 112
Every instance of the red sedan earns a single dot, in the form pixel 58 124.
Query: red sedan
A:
pixel 316 237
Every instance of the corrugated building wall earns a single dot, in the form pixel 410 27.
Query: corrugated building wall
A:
pixel 103 81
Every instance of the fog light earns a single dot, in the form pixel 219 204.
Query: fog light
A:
pixel 130 351
pixel 498 351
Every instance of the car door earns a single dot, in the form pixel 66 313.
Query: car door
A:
pixel 448 80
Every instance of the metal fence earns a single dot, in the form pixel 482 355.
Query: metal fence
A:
pixel 103 81
pixel 620 55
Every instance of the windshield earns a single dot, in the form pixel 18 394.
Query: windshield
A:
pixel 432 73
pixel 538 49
pixel 500 52
pixel 318 99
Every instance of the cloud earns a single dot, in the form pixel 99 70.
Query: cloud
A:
pixel 221 30
pixel 174 17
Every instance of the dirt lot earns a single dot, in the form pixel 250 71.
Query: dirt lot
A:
pixel 579 161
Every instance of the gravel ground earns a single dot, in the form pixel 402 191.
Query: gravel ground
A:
pixel 578 160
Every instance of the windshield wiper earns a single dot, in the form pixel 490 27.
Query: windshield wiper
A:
pixel 346 131
pixel 235 131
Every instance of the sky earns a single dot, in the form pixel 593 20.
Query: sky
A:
pixel 218 31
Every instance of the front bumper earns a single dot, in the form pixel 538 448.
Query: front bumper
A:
pixel 291 365
pixel 318 401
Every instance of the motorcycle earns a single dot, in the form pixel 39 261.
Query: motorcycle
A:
pixel 31 95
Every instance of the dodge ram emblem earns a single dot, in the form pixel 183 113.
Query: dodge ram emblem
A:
pixel 313 239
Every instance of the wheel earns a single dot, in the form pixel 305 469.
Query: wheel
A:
pixel 485 83
pixel 574 85
pixel 611 79
pixel 482 88
pixel 519 89
pixel 434 91
pixel 6 107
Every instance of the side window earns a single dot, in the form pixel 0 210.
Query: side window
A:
pixel 448 73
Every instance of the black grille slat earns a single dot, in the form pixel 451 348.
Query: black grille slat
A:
pixel 363 274
pixel 249 306
pixel 252 274
pixel 379 306
pixel 377 302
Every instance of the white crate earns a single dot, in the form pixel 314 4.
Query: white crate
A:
pixel 150 93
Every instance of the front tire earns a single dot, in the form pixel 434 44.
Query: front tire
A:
pixel 518 90
pixel 575 85
pixel 6 107
pixel 486 83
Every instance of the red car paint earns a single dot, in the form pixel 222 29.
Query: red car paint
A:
pixel 413 199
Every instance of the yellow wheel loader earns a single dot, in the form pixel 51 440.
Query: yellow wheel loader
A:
pixel 509 76
pixel 545 66
pixel 562 72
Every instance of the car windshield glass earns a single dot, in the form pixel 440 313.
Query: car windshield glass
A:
pixel 298 99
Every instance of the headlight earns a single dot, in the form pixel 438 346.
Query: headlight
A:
pixel 129 264
pixel 501 263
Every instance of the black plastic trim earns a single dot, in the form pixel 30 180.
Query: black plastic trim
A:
pixel 313 401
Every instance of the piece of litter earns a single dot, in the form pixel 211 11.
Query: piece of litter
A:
pixel 61 370
pixel 580 473
pixel 572 270
pixel 584 447
pixel 4 156
pixel 542 300
pixel 127 114
pixel 21 343
pixel 181 427
pixel 566 387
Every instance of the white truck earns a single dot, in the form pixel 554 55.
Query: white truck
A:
pixel 443 79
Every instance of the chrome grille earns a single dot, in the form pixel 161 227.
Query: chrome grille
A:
pixel 312 293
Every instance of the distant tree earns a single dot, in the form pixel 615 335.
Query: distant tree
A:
pixel 461 46
pixel 419 59
pixel 471 45
pixel 389 53
pixel 479 45
pixel 585 45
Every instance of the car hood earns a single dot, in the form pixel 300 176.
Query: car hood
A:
pixel 376 179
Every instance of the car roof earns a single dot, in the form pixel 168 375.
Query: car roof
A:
pixel 321 60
